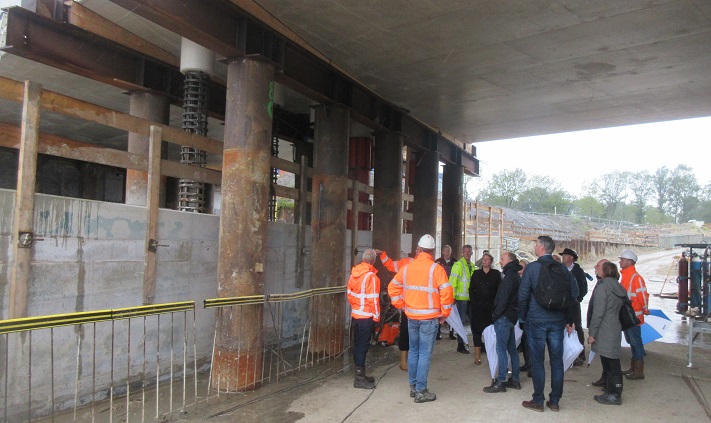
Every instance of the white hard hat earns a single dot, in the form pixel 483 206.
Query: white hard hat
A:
pixel 629 254
pixel 427 242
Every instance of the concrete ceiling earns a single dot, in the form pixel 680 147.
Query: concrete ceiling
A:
pixel 494 69
pixel 475 70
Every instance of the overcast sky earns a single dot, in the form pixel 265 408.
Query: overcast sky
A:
pixel 576 158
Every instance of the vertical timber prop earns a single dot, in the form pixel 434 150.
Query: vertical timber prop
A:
pixel 23 216
pixel 243 224
pixel 328 228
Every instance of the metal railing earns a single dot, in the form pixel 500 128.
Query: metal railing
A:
pixel 139 363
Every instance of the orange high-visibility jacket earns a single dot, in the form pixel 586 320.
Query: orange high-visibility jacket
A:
pixel 394 266
pixel 422 289
pixel 636 291
pixel 364 292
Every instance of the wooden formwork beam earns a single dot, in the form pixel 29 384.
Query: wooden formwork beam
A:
pixel 152 204
pixel 23 217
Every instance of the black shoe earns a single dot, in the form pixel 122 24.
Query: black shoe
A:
pixel 600 382
pixel 513 384
pixel 495 387
pixel 452 335
pixel 462 349
pixel 529 374
pixel 439 337
pixel 412 391
pixel 578 362
pixel 523 368
pixel 609 399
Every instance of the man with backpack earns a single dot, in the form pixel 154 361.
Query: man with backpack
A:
pixel 545 297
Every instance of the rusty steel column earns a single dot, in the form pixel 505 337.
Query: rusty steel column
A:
pixel 424 214
pixel 387 198
pixel 154 107
pixel 452 207
pixel 243 223
pixel 328 226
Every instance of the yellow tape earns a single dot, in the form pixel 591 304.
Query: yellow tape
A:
pixel 57 320
pixel 272 298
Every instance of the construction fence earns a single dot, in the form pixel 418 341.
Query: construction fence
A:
pixel 141 363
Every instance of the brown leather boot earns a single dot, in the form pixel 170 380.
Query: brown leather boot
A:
pixel 638 373
pixel 631 369
pixel 403 360
pixel 477 355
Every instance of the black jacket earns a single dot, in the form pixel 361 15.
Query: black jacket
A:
pixel 579 274
pixel 506 301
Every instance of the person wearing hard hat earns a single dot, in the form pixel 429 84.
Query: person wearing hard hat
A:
pixel 637 292
pixel 423 291
pixel 395 266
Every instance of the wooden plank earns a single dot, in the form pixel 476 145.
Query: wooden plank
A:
pixel 407 216
pixel 58 103
pixel 87 20
pixel 69 106
pixel 198 174
pixel 70 149
pixel 286 192
pixel 286 165
pixel 23 216
pixel 153 201
pixel 408 197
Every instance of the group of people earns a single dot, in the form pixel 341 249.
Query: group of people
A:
pixel 427 290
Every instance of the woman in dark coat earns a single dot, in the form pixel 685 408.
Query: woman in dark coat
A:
pixel 482 291
pixel 604 331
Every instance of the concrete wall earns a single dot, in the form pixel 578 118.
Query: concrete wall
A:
pixel 91 258
pixel 669 241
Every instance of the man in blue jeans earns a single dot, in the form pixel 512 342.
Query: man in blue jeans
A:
pixel 544 327
pixel 423 291
pixel 505 315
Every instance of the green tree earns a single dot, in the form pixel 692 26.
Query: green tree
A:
pixel 660 185
pixel 703 209
pixel 640 189
pixel 588 206
pixel 505 188
pixel 611 189
pixel 683 193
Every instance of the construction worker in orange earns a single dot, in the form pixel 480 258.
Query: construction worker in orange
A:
pixel 423 291
pixel 636 289
pixel 364 296
pixel 395 266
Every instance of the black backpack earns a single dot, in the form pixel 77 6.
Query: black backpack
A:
pixel 553 290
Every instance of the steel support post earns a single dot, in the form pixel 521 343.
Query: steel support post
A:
pixel 154 107
pixel 387 197
pixel 424 215
pixel 452 207
pixel 243 223
pixel 328 226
